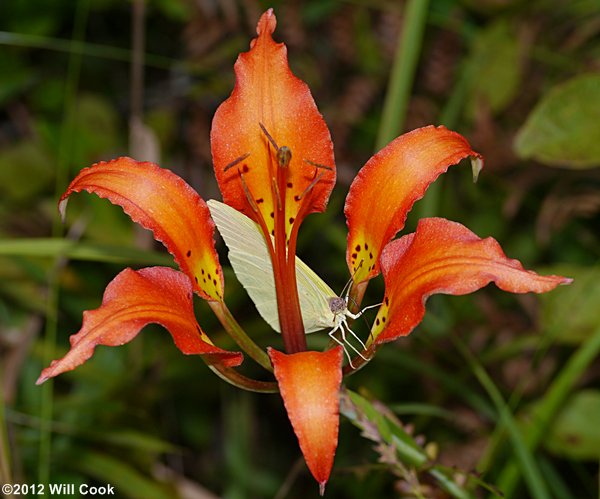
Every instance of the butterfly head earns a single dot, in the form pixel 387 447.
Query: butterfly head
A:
pixel 338 305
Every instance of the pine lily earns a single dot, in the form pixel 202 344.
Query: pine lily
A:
pixel 273 159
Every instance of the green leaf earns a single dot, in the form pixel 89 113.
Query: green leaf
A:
pixel 495 67
pixel 562 130
pixel 570 313
pixel 26 169
pixel 53 247
pixel 127 481
pixel 576 432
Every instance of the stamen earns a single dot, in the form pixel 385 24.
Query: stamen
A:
pixel 236 161
pixel 276 191
pixel 318 165
pixel 310 186
pixel 249 197
pixel 271 139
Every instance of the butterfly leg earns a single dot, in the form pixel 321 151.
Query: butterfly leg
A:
pixel 332 335
pixel 356 316
pixel 356 338
pixel 345 340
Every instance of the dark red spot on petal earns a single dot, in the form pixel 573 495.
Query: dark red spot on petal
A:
pixel 357 247
pixel 189 253
pixel 291 220
pixel 290 185
pixel 387 301
pixel 354 255
pixel 366 246
pixel 377 321
pixel 370 256
pixel 272 215
pixel 245 168
pixel 260 200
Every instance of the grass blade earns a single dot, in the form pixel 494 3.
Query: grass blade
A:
pixel 403 72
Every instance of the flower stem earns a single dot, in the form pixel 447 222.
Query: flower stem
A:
pixel 240 381
pixel 239 335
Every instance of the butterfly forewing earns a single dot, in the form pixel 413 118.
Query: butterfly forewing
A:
pixel 249 257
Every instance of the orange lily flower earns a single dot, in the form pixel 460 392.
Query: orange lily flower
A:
pixel 273 159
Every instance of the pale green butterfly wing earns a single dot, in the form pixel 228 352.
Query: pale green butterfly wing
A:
pixel 249 257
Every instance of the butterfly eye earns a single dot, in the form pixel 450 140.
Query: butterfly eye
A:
pixel 337 305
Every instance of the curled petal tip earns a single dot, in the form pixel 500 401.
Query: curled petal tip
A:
pixel 322 488
pixel 62 209
pixel 476 166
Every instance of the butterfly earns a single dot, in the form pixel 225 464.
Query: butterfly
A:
pixel 248 254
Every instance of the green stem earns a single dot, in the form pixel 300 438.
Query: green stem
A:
pixel 5 468
pixel 234 378
pixel 66 144
pixel 79 48
pixel 429 205
pixel 403 72
pixel 239 335
pixel 547 409
pixel 533 477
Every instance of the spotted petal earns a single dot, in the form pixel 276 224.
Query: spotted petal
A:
pixel 159 200
pixel 132 300
pixel 309 383
pixel 444 257
pixel 267 93
pixel 386 188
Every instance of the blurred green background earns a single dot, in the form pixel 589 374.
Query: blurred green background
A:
pixel 501 389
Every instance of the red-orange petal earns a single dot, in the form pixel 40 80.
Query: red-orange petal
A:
pixel 309 383
pixel 386 188
pixel 267 92
pixel 159 200
pixel 444 257
pixel 133 300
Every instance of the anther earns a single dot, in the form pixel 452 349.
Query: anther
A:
pixel 249 197
pixel 236 161
pixel 276 191
pixel 318 165
pixel 271 139
pixel 310 186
